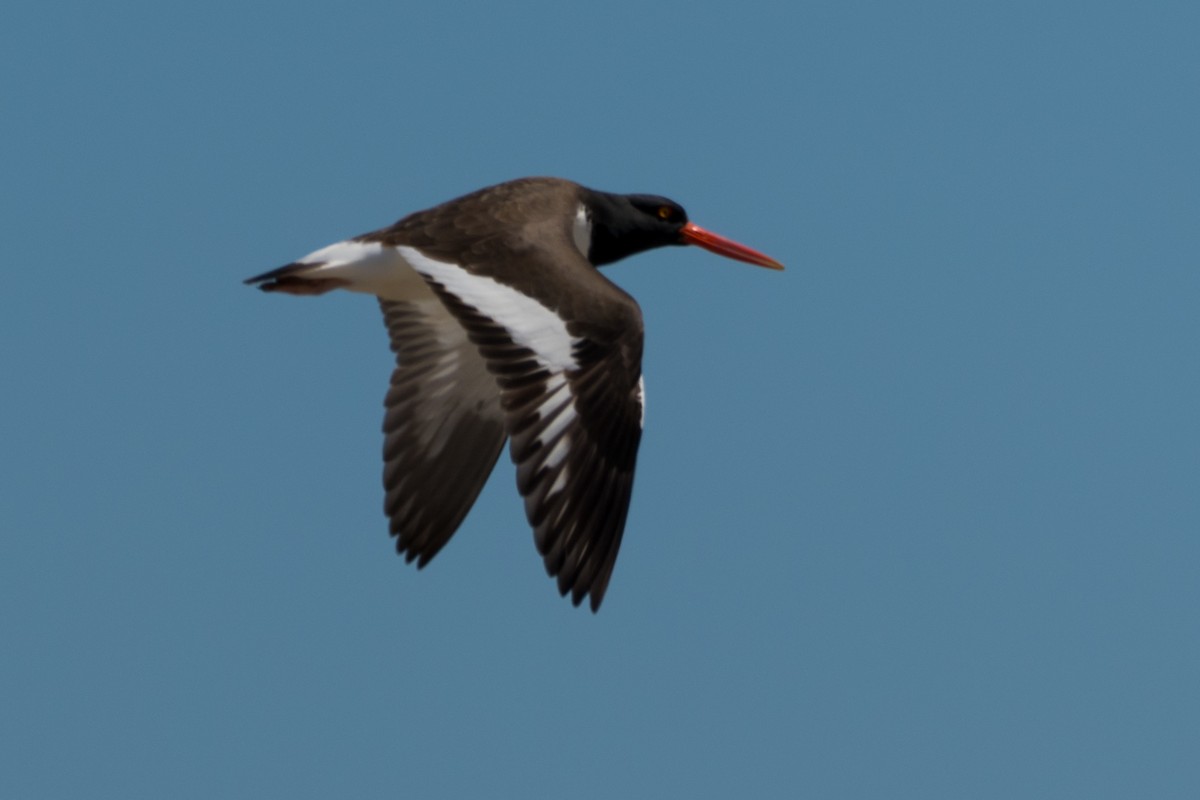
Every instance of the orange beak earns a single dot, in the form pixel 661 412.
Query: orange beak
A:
pixel 694 234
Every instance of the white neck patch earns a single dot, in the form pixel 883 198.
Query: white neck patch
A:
pixel 581 231
pixel 641 396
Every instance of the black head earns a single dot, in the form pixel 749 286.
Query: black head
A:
pixel 626 224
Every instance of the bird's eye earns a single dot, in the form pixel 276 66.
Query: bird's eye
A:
pixel 665 212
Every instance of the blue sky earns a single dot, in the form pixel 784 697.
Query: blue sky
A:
pixel 917 517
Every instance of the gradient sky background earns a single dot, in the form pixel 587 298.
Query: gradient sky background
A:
pixel 918 517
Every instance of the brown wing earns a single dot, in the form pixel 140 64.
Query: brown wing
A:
pixel 443 428
pixel 570 385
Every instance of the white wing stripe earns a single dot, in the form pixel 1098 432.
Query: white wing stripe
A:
pixel 528 322
pixel 558 407
pixel 559 484
pixel 563 418
pixel 558 453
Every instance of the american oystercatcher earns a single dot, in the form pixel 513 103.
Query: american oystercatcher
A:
pixel 503 328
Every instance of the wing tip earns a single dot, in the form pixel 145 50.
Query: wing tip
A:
pixel 578 591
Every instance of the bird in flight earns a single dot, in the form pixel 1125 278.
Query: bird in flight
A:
pixel 503 328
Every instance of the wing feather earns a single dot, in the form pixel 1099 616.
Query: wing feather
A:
pixel 443 427
pixel 574 421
